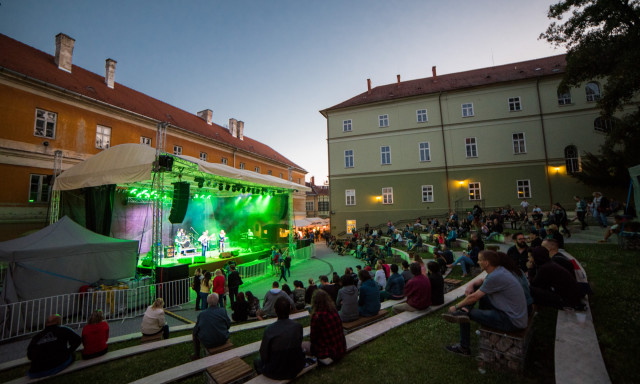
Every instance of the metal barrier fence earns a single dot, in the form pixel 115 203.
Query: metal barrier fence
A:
pixel 27 317
pixel 255 268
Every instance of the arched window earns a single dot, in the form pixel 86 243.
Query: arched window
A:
pixel 564 98
pixel 602 124
pixel 593 92
pixel 572 159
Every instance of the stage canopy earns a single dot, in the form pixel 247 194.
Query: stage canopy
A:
pixel 133 164
pixel 311 221
pixel 61 258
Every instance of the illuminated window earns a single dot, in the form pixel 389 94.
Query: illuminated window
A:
pixel 475 192
pixel 524 189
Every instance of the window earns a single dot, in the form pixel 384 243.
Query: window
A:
pixel 385 155
pixel 515 104
pixel 39 188
pixel 387 195
pixel 593 92
pixel 471 147
pixel 427 193
pixel 269 172
pixel 257 169
pixel 281 175
pixel 224 161
pixel 475 192
pixel 564 98
pixel 524 189
pixel 241 165
pixel 351 226
pixel 177 150
pixel 203 156
pixel 346 126
pixel 601 124
pixel 467 110
pixel 309 205
pixel 421 115
pixel 45 123
pixel 145 140
pixel 103 137
pixel 572 159
pixel 425 152
pixel 350 195
pixel 383 121
pixel 348 158
pixel 519 145
pixel 323 206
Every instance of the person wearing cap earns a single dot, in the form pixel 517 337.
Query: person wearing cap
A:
pixel 52 349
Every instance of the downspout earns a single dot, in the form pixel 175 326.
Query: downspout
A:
pixel 544 142
pixel 444 148
pixel 329 178
pixel 234 157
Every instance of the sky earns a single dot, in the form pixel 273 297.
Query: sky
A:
pixel 275 64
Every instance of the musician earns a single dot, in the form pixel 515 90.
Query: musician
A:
pixel 181 239
pixel 204 241
pixel 249 234
pixel 221 240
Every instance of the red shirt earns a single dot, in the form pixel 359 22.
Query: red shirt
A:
pixel 327 336
pixel 218 285
pixel 418 292
pixel 94 337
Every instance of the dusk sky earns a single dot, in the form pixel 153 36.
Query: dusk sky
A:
pixel 275 64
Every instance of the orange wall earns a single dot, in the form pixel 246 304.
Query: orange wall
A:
pixel 15 186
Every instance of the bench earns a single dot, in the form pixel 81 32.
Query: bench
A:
pixel 151 338
pixel 363 321
pixel 230 371
pixel 262 379
pixel 451 283
pixel 221 348
pixel 504 350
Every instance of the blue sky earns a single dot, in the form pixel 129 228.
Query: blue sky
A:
pixel 275 64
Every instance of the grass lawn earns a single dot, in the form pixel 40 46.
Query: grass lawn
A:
pixel 414 353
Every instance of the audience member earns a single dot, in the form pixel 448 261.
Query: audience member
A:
pixel 327 336
pixel 380 276
pixel 254 304
pixel 153 321
pixel 552 285
pixel 394 289
pixel 298 294
pixel 348 300
pixel 212 326
pixel 369 299
pixel 510 265
pixel 195 285
pixel 205 289
pixel 418 292
pixel 330 288
pixel 436 281
pixel 218 287
pixel 406 273
pixel 240 308
pixel 269 301
pixel 234 281
pixel 95 336
pixel 52 349
pixel 519 252
pixel 465 262
pixel 312 287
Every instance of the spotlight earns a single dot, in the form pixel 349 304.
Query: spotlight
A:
pixel 235 188
pixel 244 189
pixel 199 180
pixel 220 187
pixel 228 187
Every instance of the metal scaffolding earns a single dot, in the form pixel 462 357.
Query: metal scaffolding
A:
pixel 158 187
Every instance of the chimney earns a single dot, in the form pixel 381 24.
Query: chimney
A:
pixel 206 115
pixel 369 86
pixel 110 72
pixel 398 76
pixel 233 127
pixel 433 71
pixel 64 51
pixel 313 180
pixel 241 130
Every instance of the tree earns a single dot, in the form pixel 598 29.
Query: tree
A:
pixel 602 38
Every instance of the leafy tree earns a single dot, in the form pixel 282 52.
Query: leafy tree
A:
pixel 602 38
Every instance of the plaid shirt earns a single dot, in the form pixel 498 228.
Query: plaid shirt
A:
pixel 327 336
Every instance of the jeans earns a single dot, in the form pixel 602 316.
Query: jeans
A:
pixel 198 299
pixel 464 261
pixel 492 235
pixel 203 299
pixel 488 316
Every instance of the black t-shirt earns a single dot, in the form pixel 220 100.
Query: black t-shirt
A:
pixel 437 289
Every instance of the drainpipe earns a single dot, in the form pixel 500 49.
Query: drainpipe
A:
pixel 444 148
pixel 544 143
pixel 234 157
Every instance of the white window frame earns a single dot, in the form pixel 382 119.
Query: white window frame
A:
pixel 241 165
pixel 572 159
pixel 385 155
pixel 564 98
pixel 471 147
pixel 349 158
pixel 224 161
pixel 424 151
pixel 350 196
pixel 603 125
pixel 309 206
pixel 592 91
pixel 48 121
pixel 515 104
pixel 475 191
pixel 41 186
pixel 323 206
pixel 177 150
pixel 347 125
pixel 103 137
pixel 427 193
pixel 145 140
pixel 422 116
pixel 519 143
pixel 383 121
pixel 387 195
pixel 203 156
pixel 467 110
pixel 256 169
pixel 523 188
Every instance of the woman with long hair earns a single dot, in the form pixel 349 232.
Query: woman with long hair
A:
pixel 240 308
pixel 254 304
pixel 205 289
pixel 327 336
pixel 153 321
pixel 94 336
pixel 423 267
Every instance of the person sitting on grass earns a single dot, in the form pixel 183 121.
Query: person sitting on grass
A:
pixel 437 283
pixel 94 336
pixel 418 292
pixel 465 262
pixel 52 349
pixel 502 303
pixel 394 290
pixel 553 286
pixel 212 327
pixel 281 354
pixel 327 336
pixel 369 300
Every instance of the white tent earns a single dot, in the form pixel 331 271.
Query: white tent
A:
pixel 61 258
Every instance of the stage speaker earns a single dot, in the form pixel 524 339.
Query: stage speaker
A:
pixel 176 272
pixel 165 162
pixel 180 202
pixel 225 255
pixel 173 294
pixel 235 253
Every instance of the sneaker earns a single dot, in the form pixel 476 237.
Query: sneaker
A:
pixel 456 317
pixel 458 349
